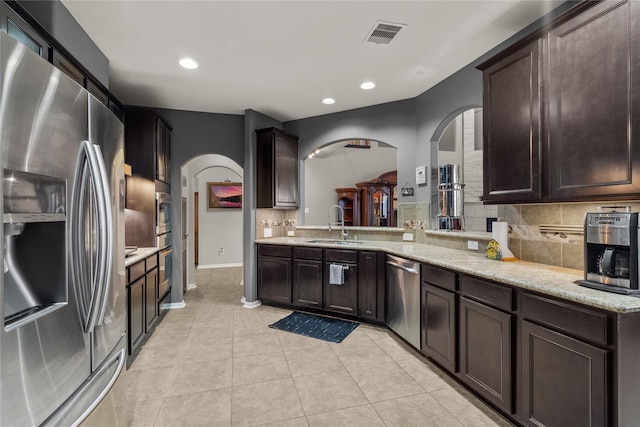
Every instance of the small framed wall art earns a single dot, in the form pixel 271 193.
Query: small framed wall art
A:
pixel 421 175
pixel 224 195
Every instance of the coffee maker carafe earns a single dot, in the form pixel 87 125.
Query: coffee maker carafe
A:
pixel 611 251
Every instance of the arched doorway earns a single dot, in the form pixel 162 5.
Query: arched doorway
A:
pixel 219 230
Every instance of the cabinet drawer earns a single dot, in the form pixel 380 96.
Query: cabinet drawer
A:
pixel 275 250
pixel 152 262
pixel 574 320
pixel 307 253
pixel 436 276
pixel 341 255
pixel 136 271
pixel 490 293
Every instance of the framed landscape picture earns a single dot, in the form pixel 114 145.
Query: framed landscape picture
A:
pixel 224 195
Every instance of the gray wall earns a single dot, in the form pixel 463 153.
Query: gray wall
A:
pixel 252 121
pixel 195 134
pixel 218 228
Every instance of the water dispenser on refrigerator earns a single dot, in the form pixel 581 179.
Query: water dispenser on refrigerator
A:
pixel 34 246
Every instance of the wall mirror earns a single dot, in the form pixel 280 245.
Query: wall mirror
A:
pixel 461 143
pixel 331 175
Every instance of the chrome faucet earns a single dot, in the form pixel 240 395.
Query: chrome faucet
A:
pixel 343 234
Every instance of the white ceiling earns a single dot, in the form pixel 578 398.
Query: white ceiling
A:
pixel 282 58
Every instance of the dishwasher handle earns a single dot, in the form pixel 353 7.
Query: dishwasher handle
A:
pixel 402 267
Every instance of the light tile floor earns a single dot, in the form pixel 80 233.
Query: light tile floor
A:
pixel 215 363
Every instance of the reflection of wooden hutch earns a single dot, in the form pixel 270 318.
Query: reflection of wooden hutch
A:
pixel 378 200
pixel 349 200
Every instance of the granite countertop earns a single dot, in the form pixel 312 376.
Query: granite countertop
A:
pixel 546 279
pixel 139 255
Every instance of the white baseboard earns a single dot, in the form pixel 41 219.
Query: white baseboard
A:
pixel 191 286
pixel 172 305
pixel 233 264
pixel 253 304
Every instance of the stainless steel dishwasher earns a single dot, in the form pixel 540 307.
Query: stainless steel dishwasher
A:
pixel 403 298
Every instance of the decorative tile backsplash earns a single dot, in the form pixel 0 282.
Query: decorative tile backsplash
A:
pixel 528 243
pixel 526 240
pixel 279 221
pixel 414 216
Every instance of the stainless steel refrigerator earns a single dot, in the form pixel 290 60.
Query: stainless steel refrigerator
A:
pixel 62 344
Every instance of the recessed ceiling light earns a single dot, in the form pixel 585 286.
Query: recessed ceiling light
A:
pixel 188 63
pixel 367 85
pixel 328 101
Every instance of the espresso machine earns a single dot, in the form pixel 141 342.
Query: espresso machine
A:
pixel 611 252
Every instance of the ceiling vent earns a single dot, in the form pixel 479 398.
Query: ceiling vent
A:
pixel 383 32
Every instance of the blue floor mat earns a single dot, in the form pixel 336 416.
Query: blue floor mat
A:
pixel 309 325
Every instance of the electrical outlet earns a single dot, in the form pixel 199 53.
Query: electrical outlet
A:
pixel 472 245
pixel 268 232
pixel 407 237
pixel 291 233
pixel 306 210
pixel 221 251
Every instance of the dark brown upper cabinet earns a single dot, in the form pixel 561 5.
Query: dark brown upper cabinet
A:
pixel 593 96
pixel 561 110
pixel 148 138
pixel 277 169
pixel 512 139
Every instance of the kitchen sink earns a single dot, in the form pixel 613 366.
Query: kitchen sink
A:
pixel 336 241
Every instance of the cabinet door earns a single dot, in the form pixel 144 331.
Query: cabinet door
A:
pixel 485 352
pixel 117 108
pixel 136 293
pixel 368 292
pixel 594 98
pixel 286 171
pixel 95 90
pixel 511 120
pixel 342 298
pixel 68 67
pixel 18 29
pixel 167 154
pixel 151 292
pixel 274 279
pixel 276 169
pixel 307 283
pixel 160 137
pixel 438 326
pixel 564 381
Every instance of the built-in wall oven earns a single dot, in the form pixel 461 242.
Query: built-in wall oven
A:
pixel 165 267
pixel 163 213
pixel 163 242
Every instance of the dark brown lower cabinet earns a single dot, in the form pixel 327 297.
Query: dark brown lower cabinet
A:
pixel 142 293
pixel 151 306
pixel 274 279
pixel 485 352
pixel 438 326
pixel 342 298
pixel 307 282
pixel 136 294
pixel 370 286
pixel 564 381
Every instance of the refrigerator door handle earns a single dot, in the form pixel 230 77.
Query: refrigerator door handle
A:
pixel 90 208
pixel 107 229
